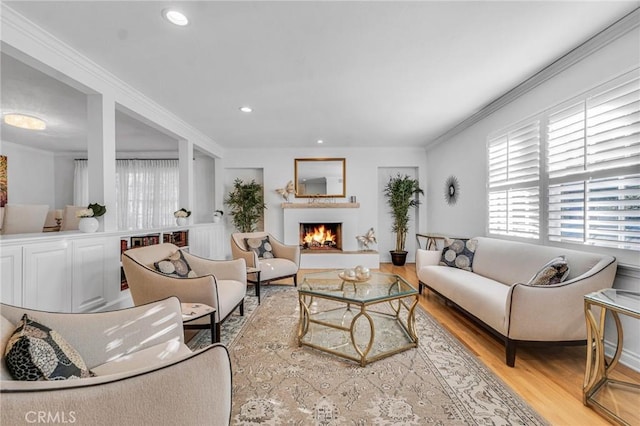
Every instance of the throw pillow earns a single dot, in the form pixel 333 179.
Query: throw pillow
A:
pixel 459 253
pixel 554 272
pixel 175 265
pixel 35 352
pixel 261 246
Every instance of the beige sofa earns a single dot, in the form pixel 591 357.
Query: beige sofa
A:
pixel 145 372
pixel 496 293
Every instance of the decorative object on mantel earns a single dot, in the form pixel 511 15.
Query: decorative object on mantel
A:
pixel 181 216
pixel 246 205
pixel 88 221
pixel 286 192
pixel 451 190
pixel 402 193
pixel 320 205
pixel 368 238
pixel 217 216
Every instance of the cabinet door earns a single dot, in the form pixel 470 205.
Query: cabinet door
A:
pixel 95 271
pixel 11 275
pixel 47 276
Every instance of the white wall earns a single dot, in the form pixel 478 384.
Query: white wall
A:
pixel 464 156
pixel 29 173
pixel 277 166
pixel 203 180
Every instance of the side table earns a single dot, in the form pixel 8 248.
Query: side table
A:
pixel 598 386
pixel 256 282
pixel 194 311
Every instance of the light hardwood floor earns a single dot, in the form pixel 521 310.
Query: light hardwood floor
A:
pixel 547 378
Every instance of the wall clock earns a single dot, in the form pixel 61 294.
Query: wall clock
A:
pixel 451 190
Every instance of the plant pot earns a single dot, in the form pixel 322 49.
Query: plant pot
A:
pixel 88 224
pixel 181 221
pixel 398 258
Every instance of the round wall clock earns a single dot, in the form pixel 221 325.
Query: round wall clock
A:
pixel 451 190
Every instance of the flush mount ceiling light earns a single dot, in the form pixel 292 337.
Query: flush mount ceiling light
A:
pixel 246 109
pixel 24 121
pixel 175 17
pixel 320 141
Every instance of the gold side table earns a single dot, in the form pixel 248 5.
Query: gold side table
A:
pixel 599 390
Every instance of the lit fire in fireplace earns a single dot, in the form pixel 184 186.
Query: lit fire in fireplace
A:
pixel 319 237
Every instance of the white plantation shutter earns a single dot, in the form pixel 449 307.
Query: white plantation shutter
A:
pixel 514 175
pixel 593 161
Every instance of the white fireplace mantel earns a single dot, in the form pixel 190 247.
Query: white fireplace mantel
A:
pixel 315 205
pixel 345 213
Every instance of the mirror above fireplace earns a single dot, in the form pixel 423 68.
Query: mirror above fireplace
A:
pixel 320 177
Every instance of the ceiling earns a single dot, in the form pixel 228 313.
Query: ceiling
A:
pixel 354 74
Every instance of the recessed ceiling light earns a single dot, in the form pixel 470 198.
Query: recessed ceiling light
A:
pixel 246 109
pixel 24 121
pixel 175 17
pixel 320 141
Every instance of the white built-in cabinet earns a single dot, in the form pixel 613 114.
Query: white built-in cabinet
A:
pixel 76 272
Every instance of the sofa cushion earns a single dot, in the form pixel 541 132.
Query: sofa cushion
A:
pixel 175 265
pixel 553 272
pixel 459 253
pixel 261 246
pixel 144 358
pixel 36 352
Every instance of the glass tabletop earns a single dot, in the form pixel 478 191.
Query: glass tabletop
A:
pixel 377 288
pixel 619 299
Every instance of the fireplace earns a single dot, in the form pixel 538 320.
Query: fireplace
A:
pixel 321 236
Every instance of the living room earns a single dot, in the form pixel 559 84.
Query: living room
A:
pixel 583 59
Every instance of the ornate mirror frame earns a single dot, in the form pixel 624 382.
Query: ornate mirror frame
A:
pixel 320 177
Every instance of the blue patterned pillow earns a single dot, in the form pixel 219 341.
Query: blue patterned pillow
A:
pixel 176 266
pixel 35 352
pixel 261 246
pixel 459 253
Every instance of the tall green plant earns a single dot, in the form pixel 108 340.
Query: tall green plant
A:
pixel 246 205
pixel 402 194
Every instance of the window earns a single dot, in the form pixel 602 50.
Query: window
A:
pixel 514 182
pixel 591 184
pixel 146 192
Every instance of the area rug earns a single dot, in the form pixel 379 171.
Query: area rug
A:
pixel 275 382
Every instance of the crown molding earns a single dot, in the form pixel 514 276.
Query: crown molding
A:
pixel 601 39
pixel 25 37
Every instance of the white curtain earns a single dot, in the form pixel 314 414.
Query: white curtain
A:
pixel 81 184
pixel 146 192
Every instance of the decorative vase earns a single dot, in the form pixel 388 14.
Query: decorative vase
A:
pixel 181 221
pixel 216 218
pixel 88 224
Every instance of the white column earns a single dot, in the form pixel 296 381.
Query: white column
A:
pixel 101 155
pixel 185 157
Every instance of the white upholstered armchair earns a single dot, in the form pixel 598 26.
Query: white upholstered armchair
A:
pixel 145 374
pixel 283 261
pixel 221 284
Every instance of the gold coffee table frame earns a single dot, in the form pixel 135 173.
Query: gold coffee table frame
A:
pixel 327 302
pixel 596 378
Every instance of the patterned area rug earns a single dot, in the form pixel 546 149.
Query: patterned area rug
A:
pixel 275 382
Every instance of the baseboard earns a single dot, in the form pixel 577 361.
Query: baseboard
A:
pixel 627 358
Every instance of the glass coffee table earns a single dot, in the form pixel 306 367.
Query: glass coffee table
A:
pixel 360 321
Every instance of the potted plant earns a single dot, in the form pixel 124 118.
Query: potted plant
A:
pixel 246 205
pixel 402 194
pixel 181 216
pixel 88 221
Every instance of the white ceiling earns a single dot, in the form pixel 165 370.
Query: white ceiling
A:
pixel 355 74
